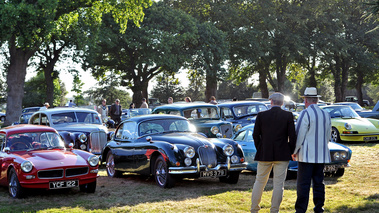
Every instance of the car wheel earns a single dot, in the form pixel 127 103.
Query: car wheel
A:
pixel 339 172
pixel 110 166
pixel 2 119
pixel 162 177
pixel 231 178
pixel 89 187
pixel 335 135
pixel 15 189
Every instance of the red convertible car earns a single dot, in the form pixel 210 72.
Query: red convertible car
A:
pixel 34 156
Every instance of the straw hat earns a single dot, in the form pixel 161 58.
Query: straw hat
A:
pixel 311 92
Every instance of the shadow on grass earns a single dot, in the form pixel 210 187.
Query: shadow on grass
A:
pixel 370 207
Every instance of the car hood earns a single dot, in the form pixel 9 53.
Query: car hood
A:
pixel 336 147
pixel 358 124
pixel 191 139
pixel 82 127
pixel 44 159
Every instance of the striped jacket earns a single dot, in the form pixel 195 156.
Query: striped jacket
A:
pixel 313 129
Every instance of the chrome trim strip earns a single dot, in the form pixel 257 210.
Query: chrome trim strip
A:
pixel 359 134
pixel 198 168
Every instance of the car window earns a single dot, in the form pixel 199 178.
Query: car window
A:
pixel 248 109
pixel 179 125
pixel 226 113
pixel 91 118
pixel 174 112
pixel 160 126
pixel 34 119
pixel 201 113
pixel 127 131
pixel 34 140
pixel 44 120
pixel 66 117
pixel 249 136
pixel 240 136
pixel 2 141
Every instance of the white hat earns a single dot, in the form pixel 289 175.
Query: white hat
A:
pixel 311 92
pixel 46 104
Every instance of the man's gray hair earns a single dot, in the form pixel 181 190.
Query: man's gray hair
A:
pixel 313 100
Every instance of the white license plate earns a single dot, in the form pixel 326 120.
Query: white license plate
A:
pixel 63 184
pixel 213 173
pixel 370 138
pixel 330 168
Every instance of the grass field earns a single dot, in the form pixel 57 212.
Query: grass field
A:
pixel 356 191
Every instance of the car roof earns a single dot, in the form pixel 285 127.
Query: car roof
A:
pixel 184 106
pixel 65 109
pixel 141 118
pixel 241 103
pixel 23 128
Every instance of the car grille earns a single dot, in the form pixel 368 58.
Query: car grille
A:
pixel 76 171
pixel 227 130
pixel 58 173
pixel 207 156
pixel 97 140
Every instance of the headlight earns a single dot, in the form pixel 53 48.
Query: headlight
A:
pixel 188 161
pixel 93 160
pixel 214 130
pixel 237 127
pixel 228 150
pixel 347 126
pixel 234 159
pixel 343 155
pixel 189 152
pixel 336 156
pixel 82 137
pixel 83 147
pixel 26 166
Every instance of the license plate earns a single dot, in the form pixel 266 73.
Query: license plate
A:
pixel 330 168
pixel 370 138
pixel 64 184
pixel 213 173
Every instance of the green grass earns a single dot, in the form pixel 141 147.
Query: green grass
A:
pixel 356 191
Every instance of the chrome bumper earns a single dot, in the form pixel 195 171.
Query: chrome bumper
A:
pixel 196 169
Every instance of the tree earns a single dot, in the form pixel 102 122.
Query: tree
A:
pixel 196 86
pixel 25 23
pixel 167 86
pixel 164 41
pixel 229 89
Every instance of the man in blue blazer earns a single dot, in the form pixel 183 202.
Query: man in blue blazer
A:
pixel 313 130
pixel 275 139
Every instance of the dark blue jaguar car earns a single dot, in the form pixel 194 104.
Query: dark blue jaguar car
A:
pixel 165 147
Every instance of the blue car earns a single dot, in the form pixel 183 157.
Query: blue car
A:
pixel 26 113
pixel 241 113
pixel 339 153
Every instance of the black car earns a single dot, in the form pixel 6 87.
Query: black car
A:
pixel 205 117
pixel 164 146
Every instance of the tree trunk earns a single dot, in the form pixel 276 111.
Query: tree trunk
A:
pixel 358 87
pixel 15 80
pixel 211 86
pixel 281 73
pixel 48 70
pixel 312 74
pixel 262 82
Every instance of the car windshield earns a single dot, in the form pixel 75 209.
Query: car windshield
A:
pixel 340 112
pixel 162 126
pixel 136 112
pixel 245 110
pixel 30 110
pixel 76 117
pixel 34 140
pixel 201 113
pixel 356 107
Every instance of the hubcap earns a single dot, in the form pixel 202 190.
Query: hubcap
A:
pixel 13 185
pixel 161 174
pixel 110 166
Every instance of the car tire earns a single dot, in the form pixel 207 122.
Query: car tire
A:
pixel 2 119
pixel 110 166
pixel 15 188
pixel 339 172
pixel 231 178
pixel 88 188
pixel 161 175
pixel 335 135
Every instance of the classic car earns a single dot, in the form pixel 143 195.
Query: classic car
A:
pixel 240 113
pixel 347 125
pixel 127 113
pixel 204 116
pixel 26 113
pixel 374 113
pixel 82 127
pixel 340 154
pixel 165 147
pixel 34 156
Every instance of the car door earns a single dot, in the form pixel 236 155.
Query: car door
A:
pixel 246 141
pixel 3 155
pixel 124 149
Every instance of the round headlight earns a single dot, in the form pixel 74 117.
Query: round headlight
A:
pixel 343 155
pixel 26 166
pixel 187 161
pixel 237 127
pixel 234 159
pixel 93 160
pixel 82 137
pixel 347 126
pixel 83 147
pixel 336 156
pixel 228 150
pixel 214 130
pixel 189 152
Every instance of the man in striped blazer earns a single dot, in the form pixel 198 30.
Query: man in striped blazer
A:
pixel 313 130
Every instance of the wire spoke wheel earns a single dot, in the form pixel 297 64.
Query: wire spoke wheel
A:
pixel 162 177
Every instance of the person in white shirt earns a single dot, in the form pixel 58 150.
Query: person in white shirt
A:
pixel 45 106
pixel 103 109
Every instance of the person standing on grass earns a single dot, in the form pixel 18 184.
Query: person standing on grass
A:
pixel 313 130
pixel 115 112
pixel 275 139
